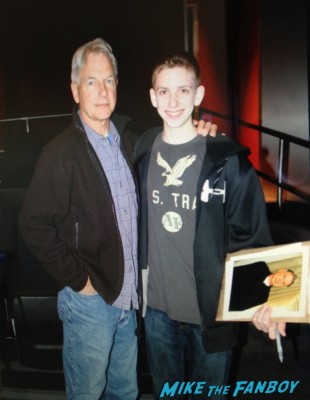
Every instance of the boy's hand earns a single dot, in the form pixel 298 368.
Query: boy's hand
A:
pixel 205 128
pixel 263 322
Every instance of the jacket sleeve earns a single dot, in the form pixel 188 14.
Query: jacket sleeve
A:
pixel 248 226
pixel 46 206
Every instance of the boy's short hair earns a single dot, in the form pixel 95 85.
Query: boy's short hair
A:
pixel 182 59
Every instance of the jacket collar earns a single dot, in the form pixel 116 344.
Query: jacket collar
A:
pixel 119 121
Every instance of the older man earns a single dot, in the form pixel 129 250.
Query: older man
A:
pixel 80 221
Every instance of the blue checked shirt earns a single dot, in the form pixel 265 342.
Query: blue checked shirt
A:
pixel 123 191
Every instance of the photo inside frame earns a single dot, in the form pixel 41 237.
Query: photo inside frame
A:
pixel 287 298
pixel 288 303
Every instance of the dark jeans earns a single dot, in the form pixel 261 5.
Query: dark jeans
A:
pixel 176 354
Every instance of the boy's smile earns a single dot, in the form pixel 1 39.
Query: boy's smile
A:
pixel 174 95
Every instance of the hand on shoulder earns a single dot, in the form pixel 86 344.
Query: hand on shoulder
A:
pixel 206 128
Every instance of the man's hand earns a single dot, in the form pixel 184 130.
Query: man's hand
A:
pixel 88 288
pixel 263 322
pixel 205 128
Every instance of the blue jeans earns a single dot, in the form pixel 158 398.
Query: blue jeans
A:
pixel 176 354
pixel 100 348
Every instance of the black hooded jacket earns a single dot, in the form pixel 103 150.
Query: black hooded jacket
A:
pixel 230 216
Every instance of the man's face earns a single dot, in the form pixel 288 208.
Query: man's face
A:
pixel 96 91
pixel 174 95
pixel 282 278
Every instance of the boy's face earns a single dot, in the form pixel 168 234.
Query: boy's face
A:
pixel 174 95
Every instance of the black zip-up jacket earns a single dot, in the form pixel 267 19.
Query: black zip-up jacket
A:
pixel 68 219
pixel 230 216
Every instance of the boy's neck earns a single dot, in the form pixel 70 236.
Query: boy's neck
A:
pixel 179 135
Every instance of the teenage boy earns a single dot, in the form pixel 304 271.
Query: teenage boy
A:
pixel 200 200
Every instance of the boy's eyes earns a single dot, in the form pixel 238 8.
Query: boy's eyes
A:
pixel 181 91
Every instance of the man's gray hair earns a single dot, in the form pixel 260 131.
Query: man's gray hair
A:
pixel 80 56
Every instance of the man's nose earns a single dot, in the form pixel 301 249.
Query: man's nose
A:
pixel 102 89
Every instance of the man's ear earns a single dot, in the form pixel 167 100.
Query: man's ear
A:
pixel 153 98
pixel 200 92
pixel 75 92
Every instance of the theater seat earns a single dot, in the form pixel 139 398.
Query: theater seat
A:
pixel 33 339
pixel 30 331
pixel 38 332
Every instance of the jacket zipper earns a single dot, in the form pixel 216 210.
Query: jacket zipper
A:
pixel 76 236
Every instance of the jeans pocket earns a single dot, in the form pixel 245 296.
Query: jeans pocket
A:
pixel 61 303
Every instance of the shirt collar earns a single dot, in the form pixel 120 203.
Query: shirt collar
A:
pixel 94 136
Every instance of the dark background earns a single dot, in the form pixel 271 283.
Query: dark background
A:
pixel 39 37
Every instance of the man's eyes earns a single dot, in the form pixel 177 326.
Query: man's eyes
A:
pixel 93 82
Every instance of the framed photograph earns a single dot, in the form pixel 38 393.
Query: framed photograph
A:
pixel 276 275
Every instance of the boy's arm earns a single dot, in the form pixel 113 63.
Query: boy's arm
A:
pixel 247 221
pixel 248 227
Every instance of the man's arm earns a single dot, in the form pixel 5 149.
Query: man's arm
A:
pixel 46 205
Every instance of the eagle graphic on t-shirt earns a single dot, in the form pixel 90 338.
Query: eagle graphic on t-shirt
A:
pixel 172 174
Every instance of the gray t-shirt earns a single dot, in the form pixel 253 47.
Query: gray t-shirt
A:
pixel 172 183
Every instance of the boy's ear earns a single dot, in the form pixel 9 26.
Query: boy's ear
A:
pixel 200 92
pixel 153 98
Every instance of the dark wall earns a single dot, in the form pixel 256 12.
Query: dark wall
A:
pixel 285 50
pixel 38 39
